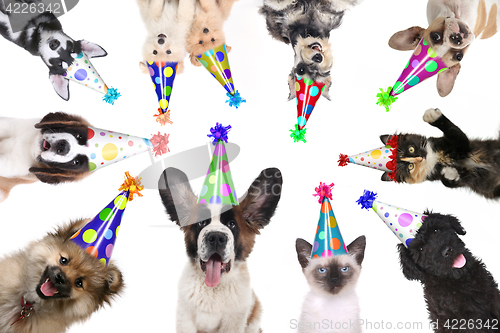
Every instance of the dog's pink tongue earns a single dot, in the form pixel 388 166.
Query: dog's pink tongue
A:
pixel 459 261
pixel 48 289
pixel 212 278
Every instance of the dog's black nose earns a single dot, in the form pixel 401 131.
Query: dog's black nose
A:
pixel 60 279
pixel 456 39
pixel 54 44
pixel 161 41
pixel 217 240
pixel 62 147
pixel 205 31
pixel 448 251
pixel 317 58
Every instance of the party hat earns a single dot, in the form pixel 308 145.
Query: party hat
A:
pixel 403 223
pixel 423 64
pixel 83 72
pixel 163 76
pixel 218 187
pixel 307 93
pixel 108 147
pixel 216 62
pixel 328 240
pixel 98 236
pixel 383 158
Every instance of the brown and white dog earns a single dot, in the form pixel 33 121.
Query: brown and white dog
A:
pixel 214 292
pixel 51 150
pixel 453 25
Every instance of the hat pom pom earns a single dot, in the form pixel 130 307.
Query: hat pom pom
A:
pixel 111 96
pixel 385 99
pixel 366 200
pixel 323 190
pixel 132 185
pixel 343 160
pixel 219 132
pixel 235 100
pixel 163 117
pixel 298 134
pixel 160 144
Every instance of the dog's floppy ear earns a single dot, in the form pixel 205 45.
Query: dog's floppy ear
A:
pixel 385 177
pixel 357 249
pixel 61 85
pixel 54 175
pixel 262 198
pixel 407 39
pixel 408 266
pixel 114 280
pixel 93 50
pixel 176 195
pixel 291 86
pixel 61 120
pixel 455 224
pixel 326 91
pixel 446 80
pixel 304 250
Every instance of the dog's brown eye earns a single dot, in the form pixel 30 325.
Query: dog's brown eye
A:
pixel 436 230
pixel 459 56
pixel 411 150
pixel 435 36
pixel 78 136
pixel 63 261
pixel 411 166
pixel 203 223
pixel 213 40
pixel 421 249
pixel 200 42
pixel 168 51
pixel 155 52
pixel 231 224
pixel 79 283
pixel 59 63
pixel 76 162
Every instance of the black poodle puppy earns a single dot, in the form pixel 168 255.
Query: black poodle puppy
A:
pixel 461 295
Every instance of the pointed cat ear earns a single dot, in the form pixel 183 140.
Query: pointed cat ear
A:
pixel 384 138
pixel 385 177
pixel 304 250
pixel 357 249
pixel 446 80
pixel 176 195
pixel 408 266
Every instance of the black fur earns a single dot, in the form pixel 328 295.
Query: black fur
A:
pixel 468 293
pixel 476 161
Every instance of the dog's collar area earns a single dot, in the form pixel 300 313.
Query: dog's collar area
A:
pixel 26 310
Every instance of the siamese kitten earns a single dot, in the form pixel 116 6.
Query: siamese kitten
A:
pixel 453 159
pixel 331 306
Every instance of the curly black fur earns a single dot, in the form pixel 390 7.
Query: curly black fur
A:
pixel 468 293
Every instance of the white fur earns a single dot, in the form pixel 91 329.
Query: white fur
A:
pixel 19 146
pixel 46 53
pixel 431 115
pixel 450 173
pixel 221 309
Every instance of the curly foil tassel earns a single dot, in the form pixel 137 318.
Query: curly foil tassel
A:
pixel 235 100
pixel 385 99
pixel 323 190
pixel 366 200
pixel 111 96
pixel 132 185
pixel 297 134
pixel 219 132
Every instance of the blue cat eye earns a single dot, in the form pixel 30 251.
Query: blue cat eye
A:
pixel 344 269
pixel 322 270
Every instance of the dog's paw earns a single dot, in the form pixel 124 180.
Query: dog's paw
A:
pixel 450 173
pixel 431 115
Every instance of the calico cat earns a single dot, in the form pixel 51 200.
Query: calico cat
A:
pixel 453 159
pixel 331 306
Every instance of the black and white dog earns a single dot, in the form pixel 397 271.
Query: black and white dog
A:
pixel 51 150
pixel 43 36
pixel 214 293
pixel 306 25
pixel 458 288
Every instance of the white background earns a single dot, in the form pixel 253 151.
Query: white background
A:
pixel 150 249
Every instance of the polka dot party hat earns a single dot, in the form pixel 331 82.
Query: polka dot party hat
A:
pixel 216 62
pixel 423 64
pixel 108 147
pixel 383 158
pixel 99 235
pixel 163 76
pixel 328 240
pixel 218 187
pixel 83 72
pixel 307 93
pixel 403 223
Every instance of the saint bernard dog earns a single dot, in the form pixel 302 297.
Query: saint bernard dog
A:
pixel 51 150
pixel 214 292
